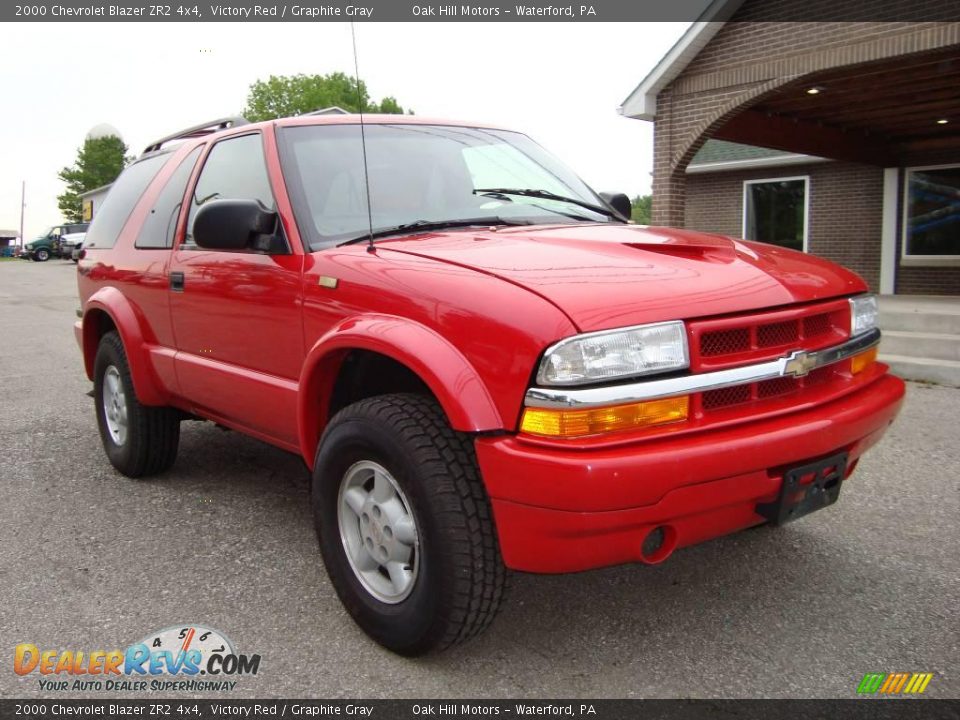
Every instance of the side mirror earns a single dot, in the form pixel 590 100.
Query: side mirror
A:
pixel 619 202
pixel 234 225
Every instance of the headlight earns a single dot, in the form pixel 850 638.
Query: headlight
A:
pixel 864 314
pixel 609 355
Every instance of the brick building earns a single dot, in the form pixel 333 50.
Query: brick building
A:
pixel 837 138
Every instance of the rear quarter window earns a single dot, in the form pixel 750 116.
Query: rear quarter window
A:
pixel 161 223
pixel 120 201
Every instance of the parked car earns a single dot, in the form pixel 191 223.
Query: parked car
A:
pixel 47 244
pixel 482 363
pixel 70 245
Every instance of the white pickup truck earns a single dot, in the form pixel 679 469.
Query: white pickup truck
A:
pixel 71 245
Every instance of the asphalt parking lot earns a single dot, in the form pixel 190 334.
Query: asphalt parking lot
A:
pixel 91 560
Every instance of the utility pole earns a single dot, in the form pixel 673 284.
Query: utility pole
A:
pixel 23 204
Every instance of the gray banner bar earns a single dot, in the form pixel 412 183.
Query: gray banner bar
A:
pixel 349 10
pixel 483 11
pixel 191 709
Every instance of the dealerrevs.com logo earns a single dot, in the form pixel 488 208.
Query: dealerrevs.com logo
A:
pixel 185 657
pixel 894 683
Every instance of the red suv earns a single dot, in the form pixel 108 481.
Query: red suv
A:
pixel 483 364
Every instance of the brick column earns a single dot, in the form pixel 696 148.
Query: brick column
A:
pixel 669 186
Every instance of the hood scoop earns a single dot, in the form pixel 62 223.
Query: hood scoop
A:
pixel 682 244
pixel 689 252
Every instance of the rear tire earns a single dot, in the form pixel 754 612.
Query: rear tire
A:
pixel 393 483
pixel 138 440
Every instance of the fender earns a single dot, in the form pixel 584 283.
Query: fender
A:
pixel 449 375
pixel 129 322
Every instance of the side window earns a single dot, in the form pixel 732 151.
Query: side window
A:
pixel 235 169
pixel 160 225
pixel 120 201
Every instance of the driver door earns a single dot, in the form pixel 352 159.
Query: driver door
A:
pixel 236 314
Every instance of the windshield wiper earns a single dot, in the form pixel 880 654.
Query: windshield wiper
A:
pixel 424 225
pixel 547 195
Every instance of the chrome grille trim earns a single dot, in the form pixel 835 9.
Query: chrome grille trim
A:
pixel 797 364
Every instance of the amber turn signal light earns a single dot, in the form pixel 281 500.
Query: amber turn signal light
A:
pixel 859 363
pixel 564 423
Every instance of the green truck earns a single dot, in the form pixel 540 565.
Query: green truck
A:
pixel 48 243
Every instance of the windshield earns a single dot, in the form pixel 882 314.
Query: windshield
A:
pixel 45 234
pixel 422 174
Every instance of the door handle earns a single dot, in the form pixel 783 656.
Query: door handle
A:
pixel 176 281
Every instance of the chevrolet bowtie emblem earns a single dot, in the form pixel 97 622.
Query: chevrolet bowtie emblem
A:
pixel 799 364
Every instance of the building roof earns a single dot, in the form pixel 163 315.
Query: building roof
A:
pixel 715 151
pixel 96 191
pixel 332 110
pixel 720 155
pixel 641 104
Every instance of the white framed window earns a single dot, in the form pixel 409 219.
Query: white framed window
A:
pixel 777 211
pixel 931 215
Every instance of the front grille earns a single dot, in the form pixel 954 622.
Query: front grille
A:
pixel 742 394
pixel 778 334
pixel 768 335
pixel 725 342
pixel 817 325
pixel 777 387
pixel 725 397
pixel 743 340
pixel 754 393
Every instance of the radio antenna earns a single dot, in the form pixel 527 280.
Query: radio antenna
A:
pixel 363 140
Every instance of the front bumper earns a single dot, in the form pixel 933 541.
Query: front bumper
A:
pixel 567 510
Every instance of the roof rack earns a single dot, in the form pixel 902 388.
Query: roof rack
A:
pixel 197 131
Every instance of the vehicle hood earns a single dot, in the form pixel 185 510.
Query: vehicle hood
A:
pixel 604 276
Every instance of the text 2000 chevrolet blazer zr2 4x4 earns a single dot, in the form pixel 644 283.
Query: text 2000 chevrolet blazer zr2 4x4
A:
pixel 482 364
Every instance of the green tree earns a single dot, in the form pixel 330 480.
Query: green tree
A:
pixel 98 163
pixel 641 209
pixel 288 95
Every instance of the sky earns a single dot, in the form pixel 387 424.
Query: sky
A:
pixel 560 83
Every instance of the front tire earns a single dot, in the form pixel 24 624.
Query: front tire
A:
pixel 41 255
pixel 405 526
pixel 138 440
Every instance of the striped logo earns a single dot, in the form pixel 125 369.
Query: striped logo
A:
pixel 901 683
